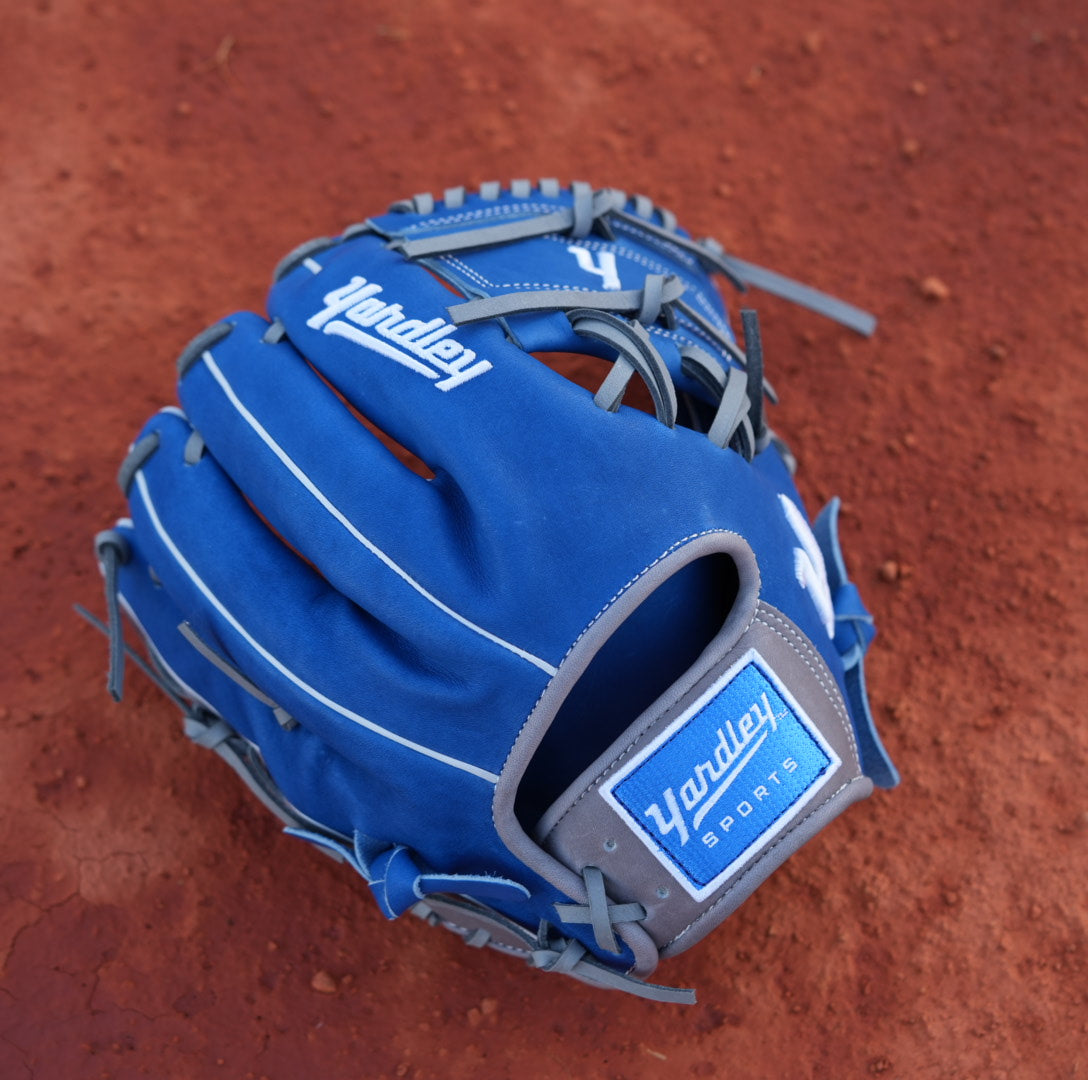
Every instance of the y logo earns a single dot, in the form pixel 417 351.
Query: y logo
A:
pixel 808 565
pixel 604 267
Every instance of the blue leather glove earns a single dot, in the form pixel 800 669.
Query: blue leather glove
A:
pixel 580 687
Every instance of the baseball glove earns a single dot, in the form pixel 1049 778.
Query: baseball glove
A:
pixel 577 682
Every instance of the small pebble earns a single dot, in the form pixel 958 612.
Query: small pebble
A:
pixel 932 288
pixel 323 983
pixel 752 80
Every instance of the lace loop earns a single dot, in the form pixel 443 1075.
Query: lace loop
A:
pixel 732 425
pixel 112 550
pixel 650 310
pixel 598 912
pixel 636 352
pixel 564 956
pixel 753 351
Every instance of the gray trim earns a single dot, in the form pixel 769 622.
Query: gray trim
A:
pixel 632 343
pixel 201 343
pixel 194 448
pixel 582 206
pixel 360 228
pixel 571 300
pixel 135 460
pixel 610 393
pixel 478 926
pixel 733 411
pixel 709 257
pixel 275 333
pixel 753 351
pixel 283 717
pixel 652 299
pixel 302 252
pixel 113 551
pixel 599 913
pixel 467 240
pixel 711 331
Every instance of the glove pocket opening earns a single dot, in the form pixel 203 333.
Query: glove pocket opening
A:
pixel 633 663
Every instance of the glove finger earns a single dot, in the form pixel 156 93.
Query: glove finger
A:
pixel 295 758
pixel 328 486
pixel 464 398
pixel 311 468
pixel 272 616
pixel 377 328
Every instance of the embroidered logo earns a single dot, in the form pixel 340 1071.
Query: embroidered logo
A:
pixel 604 266
pixel 723 779
pixel 355 311
pixel 809 566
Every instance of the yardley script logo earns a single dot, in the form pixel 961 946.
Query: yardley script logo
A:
pixel 731 749
pixel 427 348
pixel 723 779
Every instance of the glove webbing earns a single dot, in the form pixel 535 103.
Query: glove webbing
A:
pixel 660 297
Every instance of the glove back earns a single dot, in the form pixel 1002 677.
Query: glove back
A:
pixel 577 690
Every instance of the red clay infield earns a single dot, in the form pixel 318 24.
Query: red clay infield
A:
pixel 925 161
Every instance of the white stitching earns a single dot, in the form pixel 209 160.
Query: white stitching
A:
pixel 596 245
pixel 479 278
pixel 504 210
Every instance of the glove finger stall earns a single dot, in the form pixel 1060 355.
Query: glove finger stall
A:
pixel 272 616
pixel 325 483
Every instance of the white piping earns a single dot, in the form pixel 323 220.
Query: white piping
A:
pixel 145 495
pixel 320 496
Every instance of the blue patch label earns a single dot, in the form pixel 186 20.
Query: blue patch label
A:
pixel 726 777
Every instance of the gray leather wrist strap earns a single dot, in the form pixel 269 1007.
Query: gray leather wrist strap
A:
pixel 712 789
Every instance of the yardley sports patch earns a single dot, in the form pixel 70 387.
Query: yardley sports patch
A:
pixel 724 778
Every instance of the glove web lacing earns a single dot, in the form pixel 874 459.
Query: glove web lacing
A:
pixel 617 318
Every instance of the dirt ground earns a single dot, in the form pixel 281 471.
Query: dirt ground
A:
pixel 926 161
